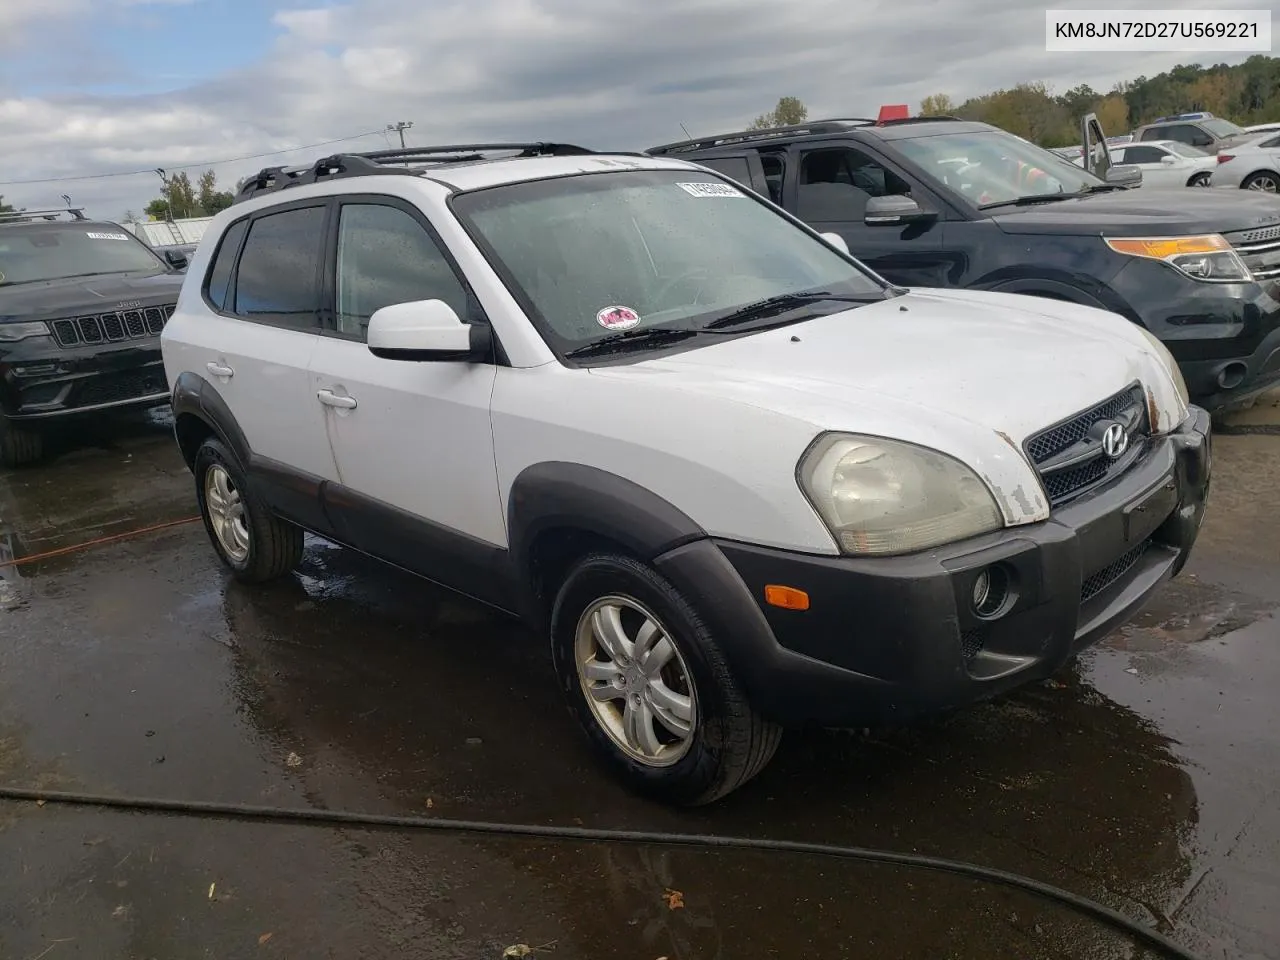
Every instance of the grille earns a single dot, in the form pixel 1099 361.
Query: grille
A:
pixel 1260 251
pixel 112 327
pixel 1112 572
pixel 110 388
pixel 1069 455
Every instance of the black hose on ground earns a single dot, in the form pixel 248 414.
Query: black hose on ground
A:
pixel 1139 932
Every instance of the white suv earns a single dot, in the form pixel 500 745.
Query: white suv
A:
pixel 739 481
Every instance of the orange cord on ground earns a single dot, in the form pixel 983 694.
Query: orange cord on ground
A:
pixel 49 554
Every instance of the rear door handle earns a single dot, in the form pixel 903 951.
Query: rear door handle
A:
pixel 331 399
pixel 218 370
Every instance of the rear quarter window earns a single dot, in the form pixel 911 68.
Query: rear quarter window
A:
pixel 219 278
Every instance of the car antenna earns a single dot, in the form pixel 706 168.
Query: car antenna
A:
pixel 686 131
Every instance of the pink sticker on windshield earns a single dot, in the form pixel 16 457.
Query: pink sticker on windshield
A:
pixel 617 318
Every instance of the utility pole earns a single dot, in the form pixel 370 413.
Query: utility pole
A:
pixel 400 127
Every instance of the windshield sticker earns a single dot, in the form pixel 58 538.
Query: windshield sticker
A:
pixel 617 318
pixel 710 190
pixel 107 236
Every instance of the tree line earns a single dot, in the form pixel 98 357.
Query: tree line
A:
pixel 1246 93
pixel 180 198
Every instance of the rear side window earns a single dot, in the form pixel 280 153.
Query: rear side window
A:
pixel 1270 144
pixel 1143 155
pixel 735 168
pixel 277 280
pixel 219 280
pixel 1157 133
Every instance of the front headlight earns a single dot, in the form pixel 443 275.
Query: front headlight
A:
pixel 882 497
pixel 13 332
pixel 1162 351
pixel 1209 258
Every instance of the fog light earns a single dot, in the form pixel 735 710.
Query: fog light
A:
pixel 991 592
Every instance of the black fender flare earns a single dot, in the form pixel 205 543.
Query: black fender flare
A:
pixel 193 396
pixel 1044 287
pixel 574 497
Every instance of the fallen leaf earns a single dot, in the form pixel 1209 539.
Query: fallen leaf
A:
pixel 211 886
pixel 518 950
pixel 39 803
pixel 293 760
pixel 264 938
pixel 675 899
pixel 430 803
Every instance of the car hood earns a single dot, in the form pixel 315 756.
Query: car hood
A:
pixel 968 373
pixel 58 298
pixel 1121 213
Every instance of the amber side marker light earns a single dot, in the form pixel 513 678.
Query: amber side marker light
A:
pixel 788 598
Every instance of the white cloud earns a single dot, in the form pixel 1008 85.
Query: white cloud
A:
pixel 606 73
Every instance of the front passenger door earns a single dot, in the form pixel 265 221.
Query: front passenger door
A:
pixel 830 191
pixel 415 481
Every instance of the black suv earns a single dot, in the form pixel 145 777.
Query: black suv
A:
pixel 82 304
pixel 941 202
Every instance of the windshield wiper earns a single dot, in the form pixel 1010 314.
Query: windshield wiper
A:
pixel 1030 198
pixel 1101 188
pixel 632 339
pixel 780 303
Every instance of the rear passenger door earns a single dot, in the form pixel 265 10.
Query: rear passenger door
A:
pixel 414 479
pixel 254 348
pixel 828 187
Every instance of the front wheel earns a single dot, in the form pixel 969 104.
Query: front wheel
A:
pixel 1199 180
pixel 252 541
pixel 1263 181
pixel 650 686
pixel 18 447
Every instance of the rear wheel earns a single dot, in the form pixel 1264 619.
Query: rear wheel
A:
pixel 650 686
pixel 18 447
pixel 1264 181
pixel 1200 179
pixel 252 541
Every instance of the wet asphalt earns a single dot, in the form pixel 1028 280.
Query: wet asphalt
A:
pixel 1146 775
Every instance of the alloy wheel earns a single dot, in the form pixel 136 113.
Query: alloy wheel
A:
pixel 226 513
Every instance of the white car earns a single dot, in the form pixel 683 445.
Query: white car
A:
pixel 1251 166
pixel 734 480
pixel 1164 163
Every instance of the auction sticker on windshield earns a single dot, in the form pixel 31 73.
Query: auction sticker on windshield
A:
pixel 710 190
pixel 617 318
pixel 107 236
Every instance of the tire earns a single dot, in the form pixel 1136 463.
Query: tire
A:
pixel 263 546
pixel 728 744
pixel 18 447
pixel 1200 179
pixel 1264 181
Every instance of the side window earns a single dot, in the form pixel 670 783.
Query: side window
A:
pixel 1158 133
pixel 735 168
pixel 1185 133
pixel 277 279
pixel 219 278
pixel 1270 144
pixel 1143 155
pixel 385 257
pixel 774 168
pixel 836 184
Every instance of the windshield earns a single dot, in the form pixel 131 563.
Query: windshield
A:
pixel 1185 150
pixel 1000 167
pixel 600 254
pixel 1221 128
pixel 31 253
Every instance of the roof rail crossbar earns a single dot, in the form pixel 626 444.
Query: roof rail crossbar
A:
pixel 392 162
pixel 77 213
pixel 768 133
pixel 900 120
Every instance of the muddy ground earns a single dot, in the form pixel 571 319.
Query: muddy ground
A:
pixel 1147 775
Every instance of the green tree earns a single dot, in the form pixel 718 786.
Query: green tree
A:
pixel 937 105
pixel 789 111
pixel 210 199
pixel 180 199
pixel 5 207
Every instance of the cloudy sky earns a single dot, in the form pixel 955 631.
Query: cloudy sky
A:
pixel 93 87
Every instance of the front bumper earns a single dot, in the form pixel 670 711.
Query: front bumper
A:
pixel 1225 336
pixel 42 382
pixel 887 639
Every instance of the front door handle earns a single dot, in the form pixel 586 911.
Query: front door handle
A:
pixel 218 370
pixel 331 399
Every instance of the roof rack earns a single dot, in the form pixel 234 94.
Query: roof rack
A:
pixel 379 162
pixel 768 133
pixel 20 216
pixel 931 119
pixel 1199 115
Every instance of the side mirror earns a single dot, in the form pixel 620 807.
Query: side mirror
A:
pixel 425 330
pixel 836 241
pixel 1125 175
pixel 176 259
pixel 1168 160
pixel 895 209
